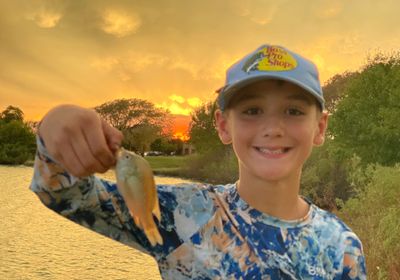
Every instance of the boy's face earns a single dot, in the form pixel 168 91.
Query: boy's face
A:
pixel 272 127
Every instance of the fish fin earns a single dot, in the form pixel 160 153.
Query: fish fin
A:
pixel 153 235
pixel 156 209
pixel 148 181
pixel 150 229
pixel 137 221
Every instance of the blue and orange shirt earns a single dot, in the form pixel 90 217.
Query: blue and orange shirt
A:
pixel 209 232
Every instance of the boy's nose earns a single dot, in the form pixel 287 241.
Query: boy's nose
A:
pixel 273 127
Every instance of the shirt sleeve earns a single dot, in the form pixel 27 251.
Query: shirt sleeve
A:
pixel 97 205
pixel 354 267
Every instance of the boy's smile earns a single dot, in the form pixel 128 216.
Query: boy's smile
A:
pixel 272 126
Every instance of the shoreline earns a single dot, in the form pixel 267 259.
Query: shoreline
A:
pixel 173 172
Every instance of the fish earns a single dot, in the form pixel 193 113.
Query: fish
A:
pixel 135 182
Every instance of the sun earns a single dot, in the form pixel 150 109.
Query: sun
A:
pixel 181 135
pixel 180 127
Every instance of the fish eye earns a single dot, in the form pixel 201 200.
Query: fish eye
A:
pixel 127 156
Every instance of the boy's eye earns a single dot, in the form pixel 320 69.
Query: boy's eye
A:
pixel 252 111
pixel 294 112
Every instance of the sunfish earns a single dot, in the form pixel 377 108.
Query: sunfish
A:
pixel 135 182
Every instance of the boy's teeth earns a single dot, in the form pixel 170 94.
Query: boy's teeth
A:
pixel 268 151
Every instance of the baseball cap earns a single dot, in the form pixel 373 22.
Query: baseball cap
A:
pixel 271 62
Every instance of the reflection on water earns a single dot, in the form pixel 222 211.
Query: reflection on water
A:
pixel 36 243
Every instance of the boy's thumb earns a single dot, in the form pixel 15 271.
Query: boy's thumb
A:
pixel 113 136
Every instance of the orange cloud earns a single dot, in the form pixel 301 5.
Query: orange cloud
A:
pixel 44 18
pixel 120 24
pixel 180 105
pixel 91 52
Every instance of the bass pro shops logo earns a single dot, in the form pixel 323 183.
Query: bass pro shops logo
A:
pixel 271 58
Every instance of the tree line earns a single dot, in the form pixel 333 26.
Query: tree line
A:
pixel 17 140
pixel 145 127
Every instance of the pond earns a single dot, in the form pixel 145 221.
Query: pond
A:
pixel 36 243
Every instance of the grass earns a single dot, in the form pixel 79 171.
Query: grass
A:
pixel 168 165
pixel 162 162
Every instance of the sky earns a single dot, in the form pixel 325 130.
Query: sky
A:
pixel 173 53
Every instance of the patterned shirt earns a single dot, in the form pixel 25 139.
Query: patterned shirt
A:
pixel 209 232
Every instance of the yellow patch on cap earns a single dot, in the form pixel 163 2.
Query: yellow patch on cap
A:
pixel 271 58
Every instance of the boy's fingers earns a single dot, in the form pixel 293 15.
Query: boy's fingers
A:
pixel 83 151
pixel 71 162
pixel 113 136
pixel 97 142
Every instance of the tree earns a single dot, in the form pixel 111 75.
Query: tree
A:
pixel 17 142
pixel 178 143
pixel 128 113
pixel 165 145
pixel 140 137
pixel 334 89
pixel 366 121
pixel 12 113
pixel 33 125
pixel 325 179
pixel 374 215
pixel 202 131
pixel 139 120
pixel 214 162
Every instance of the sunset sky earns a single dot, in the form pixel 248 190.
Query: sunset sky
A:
pixel 174 52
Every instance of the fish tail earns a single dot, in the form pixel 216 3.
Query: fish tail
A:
pixel 137 221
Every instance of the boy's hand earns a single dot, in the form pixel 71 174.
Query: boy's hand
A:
pixel 79 139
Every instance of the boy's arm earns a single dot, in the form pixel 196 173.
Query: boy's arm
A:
pixel 88 201
pixel 73 144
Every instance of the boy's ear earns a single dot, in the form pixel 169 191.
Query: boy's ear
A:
pixel 221 121
pixel 319 137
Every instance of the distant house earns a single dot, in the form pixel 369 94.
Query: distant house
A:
pixel 188 149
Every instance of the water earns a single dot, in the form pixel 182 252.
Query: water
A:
pixel 36 243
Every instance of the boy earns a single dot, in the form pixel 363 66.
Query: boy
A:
pixel 271 111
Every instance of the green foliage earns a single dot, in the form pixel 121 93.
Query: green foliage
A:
pixel 334 89
pixel 165 145
pixel 17 142
pixel 215 162
pixel 140 137
pixel 365 122
pixel 218 167
pixel 202 132
pixel 139 120
pixel 374 216
pixel 325 179
pixel 12 113
pixel 128 113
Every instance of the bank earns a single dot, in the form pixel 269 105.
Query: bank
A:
pixel 169 166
